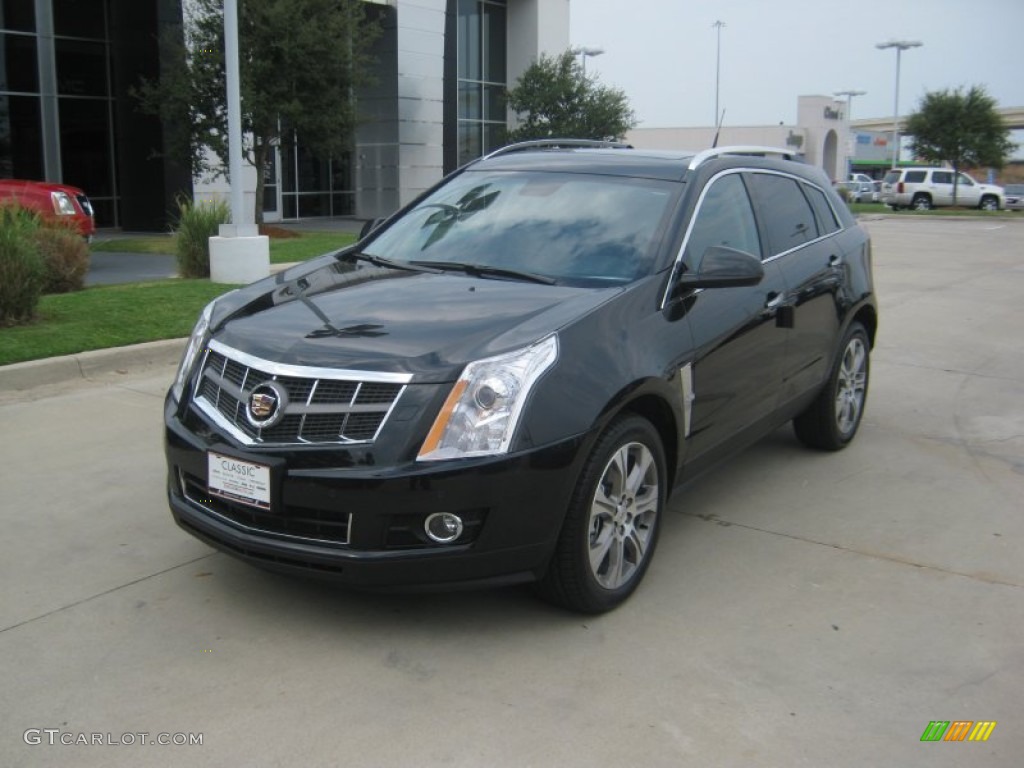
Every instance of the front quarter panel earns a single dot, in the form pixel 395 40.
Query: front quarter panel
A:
pixel 622 351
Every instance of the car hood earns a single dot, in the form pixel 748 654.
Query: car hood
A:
pixel 363 317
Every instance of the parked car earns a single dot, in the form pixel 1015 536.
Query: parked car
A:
pixel 504 381
pixel 926 188
pixel 52 201
pixel 1014 200
pixel 859 190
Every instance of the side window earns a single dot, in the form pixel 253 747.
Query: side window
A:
pixel 914 177
pixel 964 180
pixel 724 217
pixel 788 218
pixel 942 177
pixel 826 216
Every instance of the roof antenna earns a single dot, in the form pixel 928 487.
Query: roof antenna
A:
pixel 718 128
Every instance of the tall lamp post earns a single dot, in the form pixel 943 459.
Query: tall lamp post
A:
pixel 718 62
pixel 584 52
pixel 900 46
pixel 849 121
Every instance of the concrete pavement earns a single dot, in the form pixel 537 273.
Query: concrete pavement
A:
pixel 803 609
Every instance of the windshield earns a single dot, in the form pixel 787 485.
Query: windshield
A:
pixel 576 228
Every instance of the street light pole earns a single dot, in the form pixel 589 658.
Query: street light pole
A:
pixel 584 52
pixel 900 46
pixel 718 62
pixel 849 121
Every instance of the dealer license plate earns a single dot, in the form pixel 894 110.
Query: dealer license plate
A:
pixel 238 480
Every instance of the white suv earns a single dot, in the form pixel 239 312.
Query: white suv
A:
pixel 926 188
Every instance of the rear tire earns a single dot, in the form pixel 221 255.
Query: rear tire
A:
pixel 831 421
pixel 921 203
pixel 611 527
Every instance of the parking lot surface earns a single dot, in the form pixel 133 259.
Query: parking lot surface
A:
pixel 803 609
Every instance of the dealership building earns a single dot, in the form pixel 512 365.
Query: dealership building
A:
pixel 68 68
pixel 67 114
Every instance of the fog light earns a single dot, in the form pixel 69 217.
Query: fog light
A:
pixel 443 527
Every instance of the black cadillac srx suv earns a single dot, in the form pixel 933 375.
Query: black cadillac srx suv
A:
pixel 504 381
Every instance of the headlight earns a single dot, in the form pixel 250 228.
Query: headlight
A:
pixel 480 415
pixel 195 346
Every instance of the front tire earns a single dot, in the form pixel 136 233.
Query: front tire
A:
pixel 831 421
pixel 989 203
pixel 611 527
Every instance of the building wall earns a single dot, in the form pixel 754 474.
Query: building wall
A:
pixel 410 136
pixel 821 134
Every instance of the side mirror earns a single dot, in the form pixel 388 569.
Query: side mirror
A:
pixel 723 267
pixel 368 227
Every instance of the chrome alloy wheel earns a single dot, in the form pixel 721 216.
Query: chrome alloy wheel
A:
pixel 623 515
pixel 851 385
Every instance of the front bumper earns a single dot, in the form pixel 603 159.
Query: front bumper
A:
pixel 363 525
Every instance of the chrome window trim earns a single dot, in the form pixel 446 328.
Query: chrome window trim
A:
pixel 700 202
pixel 308 372
pixel 259 531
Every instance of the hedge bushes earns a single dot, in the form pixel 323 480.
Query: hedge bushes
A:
pixel 36 256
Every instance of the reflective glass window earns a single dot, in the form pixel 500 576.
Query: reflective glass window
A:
pixel 787 216
pixel 81 68
pixel 724 218
pixel 80 18
pixel 19 67
pixel 21 146
pixel 85 145
pixel 18 14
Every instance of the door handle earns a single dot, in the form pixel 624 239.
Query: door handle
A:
pixel 834 261
pixel 773 300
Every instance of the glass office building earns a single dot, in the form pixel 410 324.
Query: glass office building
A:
pixel 66 114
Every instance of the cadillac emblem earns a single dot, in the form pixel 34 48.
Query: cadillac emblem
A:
pixel 266 405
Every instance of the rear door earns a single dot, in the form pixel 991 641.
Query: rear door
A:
pixel 800 228
pixel 941 187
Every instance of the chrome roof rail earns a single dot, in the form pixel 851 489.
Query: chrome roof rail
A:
pixel 557 144
pixel 702 157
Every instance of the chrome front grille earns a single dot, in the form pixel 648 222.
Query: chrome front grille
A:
pixel 324 405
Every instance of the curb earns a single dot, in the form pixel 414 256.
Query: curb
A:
pixel 86 366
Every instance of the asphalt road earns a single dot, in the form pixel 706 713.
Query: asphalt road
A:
pixel 803 609
pixel 108 268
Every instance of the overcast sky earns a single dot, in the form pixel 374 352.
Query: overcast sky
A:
pixel 662 54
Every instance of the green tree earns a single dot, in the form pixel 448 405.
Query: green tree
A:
pixel 300 62
pixel 962 129
pixel 555 98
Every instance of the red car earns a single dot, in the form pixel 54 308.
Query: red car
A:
pixel 52 201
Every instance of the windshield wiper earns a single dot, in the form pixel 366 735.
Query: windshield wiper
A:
pixel 380 261
pixel 485 270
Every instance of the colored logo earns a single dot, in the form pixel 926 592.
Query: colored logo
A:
pixel 266 405
pixel 958 730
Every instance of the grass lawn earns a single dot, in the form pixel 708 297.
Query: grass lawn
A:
pixel 108 316
pixel 282 250
pixel 879 208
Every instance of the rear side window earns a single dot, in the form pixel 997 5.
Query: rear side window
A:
pixel 914 177
pixel 942 177
pixel 786 215
pixel 726 218
pixel 826 216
